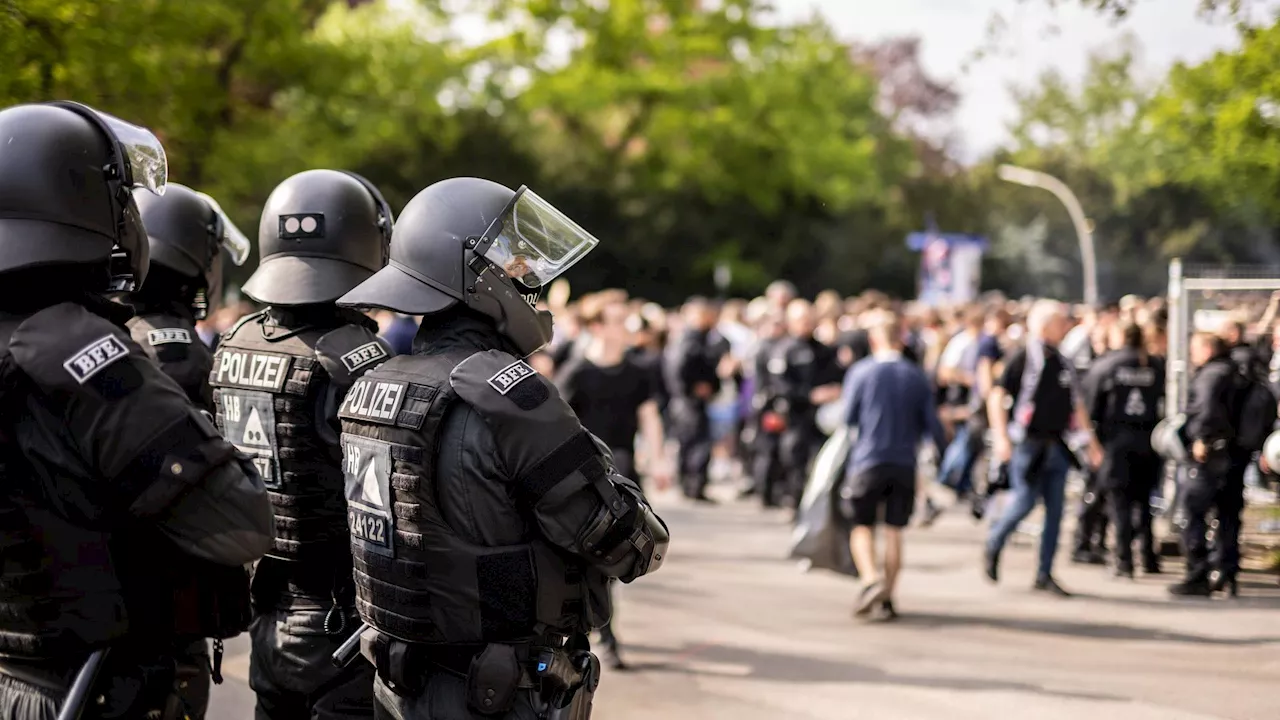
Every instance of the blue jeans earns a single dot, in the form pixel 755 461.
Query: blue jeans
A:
pixel 956 469
pixel 1049 482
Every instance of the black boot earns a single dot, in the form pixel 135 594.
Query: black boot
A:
pixel 991 565
pixel 1191 588
pixel 1225 582
pixel 1047 584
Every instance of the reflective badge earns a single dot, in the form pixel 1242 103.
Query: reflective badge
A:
pixel 251 370
pixel 95 356
pixel 366 465
pixel 164 336
pixel 363 355
pixel 302 225
pixel 249 423
pixel 510 376
pixel 377 401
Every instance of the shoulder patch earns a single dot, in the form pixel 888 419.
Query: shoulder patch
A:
pixel 95 356
pixel 372 400
pixel 350 351
pixel 363 355
pixel 508 377
pixel 164 336
pixel 250 369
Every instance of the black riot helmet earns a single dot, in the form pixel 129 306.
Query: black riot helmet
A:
pixel 322 233
pixel 186 231
pixel 472 241
pixel 66 176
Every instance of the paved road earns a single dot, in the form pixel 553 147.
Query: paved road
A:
pixel 729 630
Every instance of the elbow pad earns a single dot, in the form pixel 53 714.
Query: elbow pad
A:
pixel 180 458
pixel 625 538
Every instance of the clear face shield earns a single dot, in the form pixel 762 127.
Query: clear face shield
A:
pixel 534 243
pixel 139 163
pixel 229 236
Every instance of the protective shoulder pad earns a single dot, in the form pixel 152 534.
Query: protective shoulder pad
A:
pixel 65 347
pixel 534 426
pixel 163 335
pixel 349 352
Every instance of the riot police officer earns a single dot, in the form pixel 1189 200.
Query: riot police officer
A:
pixel 279 376
pixel 691 370
pixel 186 232
pixel 485 522
pixel 98 448
pixel 1211 481
pixel 1124 393
pixel 800 374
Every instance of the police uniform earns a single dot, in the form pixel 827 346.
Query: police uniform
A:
pixel 279 376
pixel 114 482
pixel 793 368
pixel 1217 482
pixel 1040 388
pixel 186 231
pixel 691 361
pixel 485 522
pixel 1124 393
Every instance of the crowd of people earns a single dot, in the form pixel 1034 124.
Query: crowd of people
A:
pixel 1012 394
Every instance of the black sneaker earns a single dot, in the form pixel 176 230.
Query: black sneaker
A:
pixel 991 565
pixel 871 597
pixel 703 499
pixel 1088 557
pixel 1191 588
pixel 1151 567
pixel 1123 571
pixel 1047 584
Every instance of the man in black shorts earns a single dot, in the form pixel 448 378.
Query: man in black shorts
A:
pixel 890 402
pixel 615 396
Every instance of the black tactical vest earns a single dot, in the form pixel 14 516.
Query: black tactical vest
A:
pixel 59 592
pixel 415 578
pixel 269 385
pixel 172 341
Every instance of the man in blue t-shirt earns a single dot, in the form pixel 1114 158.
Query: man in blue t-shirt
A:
pixel 889 400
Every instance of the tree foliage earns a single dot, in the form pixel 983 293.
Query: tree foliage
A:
pixel 685 135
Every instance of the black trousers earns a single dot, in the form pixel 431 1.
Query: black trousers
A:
pixel 767 471
pixel 692 429
pixel 1213 486
pixel 291 673
pixel 1091 516
pixel 1128 475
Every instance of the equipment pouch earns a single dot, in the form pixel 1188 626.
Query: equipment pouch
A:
pixel 589 664
pixel 493 679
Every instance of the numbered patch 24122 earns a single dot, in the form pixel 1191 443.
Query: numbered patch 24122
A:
pixel 366 467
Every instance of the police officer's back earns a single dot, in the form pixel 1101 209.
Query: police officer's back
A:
pixel 1124 392
pixel 186 232
pixel 485 522
pixel 279 376
pixel 96 443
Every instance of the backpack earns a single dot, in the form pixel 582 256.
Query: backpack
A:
pixel 1256 409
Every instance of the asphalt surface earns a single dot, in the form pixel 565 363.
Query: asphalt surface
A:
pixel 729 629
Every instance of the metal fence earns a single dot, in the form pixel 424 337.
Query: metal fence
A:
pixel 1200 298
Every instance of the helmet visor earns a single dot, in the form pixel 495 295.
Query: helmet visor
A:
pixel 534 243
pixel 143 154
pixel 231 239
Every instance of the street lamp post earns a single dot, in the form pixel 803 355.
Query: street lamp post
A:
pixel 1044 181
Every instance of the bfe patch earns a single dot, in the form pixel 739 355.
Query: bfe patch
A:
pixel 164 336
pixel 249 423
pixel 93 357
pixel 366 467
pixel 508 377
pixel 363 355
